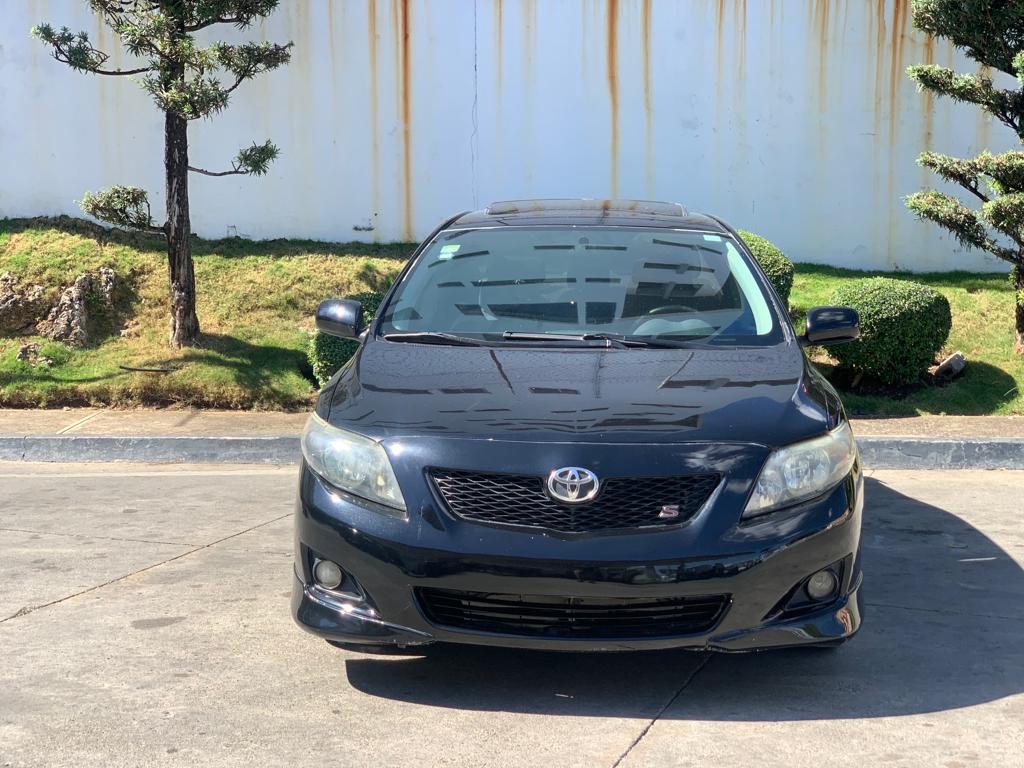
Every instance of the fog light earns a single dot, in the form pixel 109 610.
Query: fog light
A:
pixel 820 585
pixel 327 574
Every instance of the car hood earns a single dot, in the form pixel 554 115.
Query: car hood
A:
pixel 770 396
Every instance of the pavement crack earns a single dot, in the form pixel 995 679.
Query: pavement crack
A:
pixel 663 710
pixel 101 538
pixel 33 608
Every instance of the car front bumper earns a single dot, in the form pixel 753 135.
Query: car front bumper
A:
pixel 758 566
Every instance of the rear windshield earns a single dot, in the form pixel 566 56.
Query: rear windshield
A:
pixel 630 282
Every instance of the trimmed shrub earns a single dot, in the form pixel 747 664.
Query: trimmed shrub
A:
pixel 328 353
pixel 776 266
pixel 903 325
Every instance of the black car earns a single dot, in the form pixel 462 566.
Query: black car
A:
pixel 580 425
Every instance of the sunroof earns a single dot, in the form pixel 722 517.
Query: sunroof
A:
pixel 561 205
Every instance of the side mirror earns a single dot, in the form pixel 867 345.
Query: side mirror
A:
pixel 831 325
pixel 340 317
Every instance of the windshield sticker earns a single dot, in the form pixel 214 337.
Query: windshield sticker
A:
pixel 447 251
pixel 713 238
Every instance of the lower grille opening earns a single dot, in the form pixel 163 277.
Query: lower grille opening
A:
pixel 571 617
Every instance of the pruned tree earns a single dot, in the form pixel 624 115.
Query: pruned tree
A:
pixel 990 32
pixel 187 81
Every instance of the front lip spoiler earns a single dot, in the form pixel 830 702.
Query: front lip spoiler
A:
pixel 330 619
pixel 324 616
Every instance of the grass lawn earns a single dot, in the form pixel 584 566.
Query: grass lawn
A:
pixel 982 306
pixel 256 301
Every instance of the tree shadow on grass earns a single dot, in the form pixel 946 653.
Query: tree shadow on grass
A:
pixel 239 374
pixel 942 631
pixel 257 369
pixel 237 247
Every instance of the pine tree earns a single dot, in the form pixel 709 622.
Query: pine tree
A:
pixel 990 32
pixel 187 81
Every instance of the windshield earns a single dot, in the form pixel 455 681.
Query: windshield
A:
pixel 629 282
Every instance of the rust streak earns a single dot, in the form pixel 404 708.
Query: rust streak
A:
pixel 985 119
pixel 821 28
pixel 896 76
pixel 741 44
pixel 499 43
pixel 371 31
pixel 928 97
pixel 406 96
pixel 899 32
pixel 645 31
pixel 613 90
pixel 878 19
pixel 330 45
pixel 719 43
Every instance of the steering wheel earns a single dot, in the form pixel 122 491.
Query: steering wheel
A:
pixel 670 309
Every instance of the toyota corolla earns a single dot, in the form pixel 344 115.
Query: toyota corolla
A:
pixel 580 425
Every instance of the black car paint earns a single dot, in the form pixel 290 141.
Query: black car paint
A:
pixel 627 412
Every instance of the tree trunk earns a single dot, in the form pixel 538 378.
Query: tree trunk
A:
pixel 184 323
pixel 1018 293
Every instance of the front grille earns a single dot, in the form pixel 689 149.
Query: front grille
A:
pixel 574 617
pixel 623 502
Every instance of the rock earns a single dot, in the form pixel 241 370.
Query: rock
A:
pixel 950 368
pixel 132 329
pixel 68 319
pixel 20 307
pixel 29 353
pixel 106 282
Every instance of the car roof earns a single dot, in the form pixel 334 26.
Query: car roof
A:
pixel 587 212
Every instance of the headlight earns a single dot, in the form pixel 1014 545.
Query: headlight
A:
pixel 802 471
pixel 351 462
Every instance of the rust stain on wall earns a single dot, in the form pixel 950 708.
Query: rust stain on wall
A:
pixel 330 44
pixel 529 41
pixel 645 52
pixel 402 30
pixel 927 97
pixel 896 67
pixel 740 10
pixel 613 89
pixel 371 49
pixel 499 44
pixel 821 19
pixel 881 49
pixel 985 120
pixel 719 43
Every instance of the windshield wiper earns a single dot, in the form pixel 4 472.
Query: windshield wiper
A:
pixel 541 336
pixel 431 337
pixel 610 339
pixel 616 340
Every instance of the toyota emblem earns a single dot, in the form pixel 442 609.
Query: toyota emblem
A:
pixel 573 485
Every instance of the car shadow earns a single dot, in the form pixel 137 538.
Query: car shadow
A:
pixel 944 617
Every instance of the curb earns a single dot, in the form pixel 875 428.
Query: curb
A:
pixel 279 449
pixel 934 453
pixel 877 452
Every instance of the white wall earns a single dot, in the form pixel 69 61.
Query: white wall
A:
pixel 792 118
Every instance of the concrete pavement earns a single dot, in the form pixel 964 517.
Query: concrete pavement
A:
pixel 144 622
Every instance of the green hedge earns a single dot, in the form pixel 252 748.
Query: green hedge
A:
pixel 903 325
pixel 776 266
pixel 328 353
